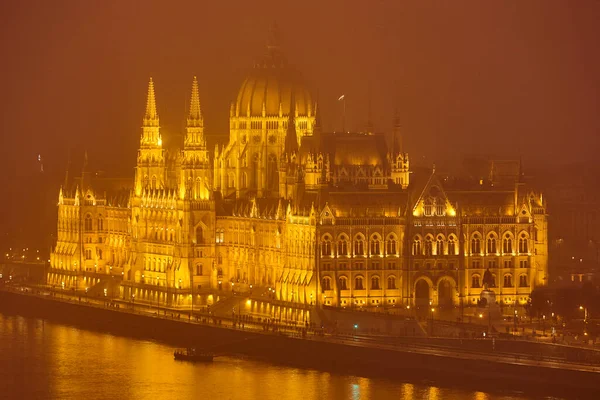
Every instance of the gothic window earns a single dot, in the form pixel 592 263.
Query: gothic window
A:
pixel 391 246
pixel 508 280
pixel 375 246
pixel 88 223
pixel 491 245
pixel 99 254
pixel 244 180
pixel 428 207
pixel 343 246
pixel 439 208
pixel 476 281
pixel 476 244
pixel 146 180
pixel 88 254
pixel 199 269
pixel 428 246
pixel 326 246
pixel 100 223
pixel 327 283
pixel 199 237
pixel 416 250
pixel 154 182
pixel 523 244
pixel 523 281
pixel 375 283
pixel 507 244
pixel 439 245
pixel 358 283
pixel 359 246
pixel 391 282
pixel 198 187
pixel 343 283
pixel 452 245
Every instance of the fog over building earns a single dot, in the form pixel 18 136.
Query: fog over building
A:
pixel 305 216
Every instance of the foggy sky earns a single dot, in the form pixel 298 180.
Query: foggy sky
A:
pixel 501 78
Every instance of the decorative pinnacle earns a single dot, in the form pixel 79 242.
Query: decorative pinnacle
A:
pixel 151 117
pixel 195 117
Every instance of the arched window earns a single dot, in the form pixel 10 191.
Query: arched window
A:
pixel 416 250
pixel 476 244
pixel 198 187
pixel 452 245
pixel 199 236
pixel 88 223
pixel 428 207
pixel 428 246
pixel 154 182
pixel 508 280
pixel 358 283
pixel 523 244
pixel 440 207
pixel 343 283
pixel 375 283
pixel 491 245
pixel 507 244
pixel 523 281
pixel 476 281
pixel 146 181
pixel 359 246
pixel 326 246
pixel 343 246
pixel 99 254
pixel 391 246
pixel 326 283
pixel 199 269
pixel 391 282
pixel 100 223
pixel 439 245
pixel 244 183
pixel 375 245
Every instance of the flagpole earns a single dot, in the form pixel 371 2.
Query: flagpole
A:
pixel 343 99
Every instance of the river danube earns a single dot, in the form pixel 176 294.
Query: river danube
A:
pixel 40 359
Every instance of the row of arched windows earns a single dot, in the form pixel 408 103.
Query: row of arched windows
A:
pixel 507 243
pixel 359 283
pixel 87 223
pixel 343 245
pixel 507 281
pixel 432 247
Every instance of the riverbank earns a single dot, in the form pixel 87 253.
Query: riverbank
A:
pixel 349 355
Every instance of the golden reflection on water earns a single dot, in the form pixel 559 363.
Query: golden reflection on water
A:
pixel 60 361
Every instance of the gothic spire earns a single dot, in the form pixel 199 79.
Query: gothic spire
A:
pixel 195 116
pixel 397 144
pixel 151 116
pixel 291 139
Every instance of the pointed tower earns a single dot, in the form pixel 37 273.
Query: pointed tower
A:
pixel 150 170
pixel 398 159
pixel 196 172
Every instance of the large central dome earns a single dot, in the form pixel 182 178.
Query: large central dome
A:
pixel 271 83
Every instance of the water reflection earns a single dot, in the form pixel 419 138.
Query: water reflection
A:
pixel 45 360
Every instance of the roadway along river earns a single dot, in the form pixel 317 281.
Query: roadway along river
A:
pixel 40 359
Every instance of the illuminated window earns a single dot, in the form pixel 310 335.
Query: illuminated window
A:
pixel 88 254
pixel 359 247
pixel 491 245
pixel 508 280
pixel 523 263
pixel 327 283
pixel 154 182
pixel 391 246
pixel 428 246
pixel 439 208
pixel 375 245
pixel 343 246
pixel 523 245
pixel 523 281
pixel 428 207
pixel 99 254
pixel 476 244
pixel 476 281
pixel 416 250
pixel 507 244
pixel 343 283
pixel 375 283
pixel 88 222
pixel 199 269
pixel 326 246
pixel 358 283
pixel 100 223
pixel 452 245
pixel 439 245
pixel 391 282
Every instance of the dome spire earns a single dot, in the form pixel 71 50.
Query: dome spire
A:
pixel 151 116
pixel 195 116
pixel 291 139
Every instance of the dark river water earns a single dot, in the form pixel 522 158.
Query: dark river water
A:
pixel 40 359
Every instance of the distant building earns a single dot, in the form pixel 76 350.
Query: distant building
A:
pixel 302 216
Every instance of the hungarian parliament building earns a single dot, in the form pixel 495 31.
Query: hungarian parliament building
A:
pixel 299 216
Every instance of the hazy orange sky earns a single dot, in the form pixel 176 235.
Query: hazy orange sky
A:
pixel 504 78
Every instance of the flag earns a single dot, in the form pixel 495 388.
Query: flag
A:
pixel 342 97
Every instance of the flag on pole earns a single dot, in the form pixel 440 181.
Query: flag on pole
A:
pixel 341 97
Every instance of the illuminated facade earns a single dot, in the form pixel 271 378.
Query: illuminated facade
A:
pixel 293 213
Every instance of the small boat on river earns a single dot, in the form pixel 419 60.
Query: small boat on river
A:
pixel 190 354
